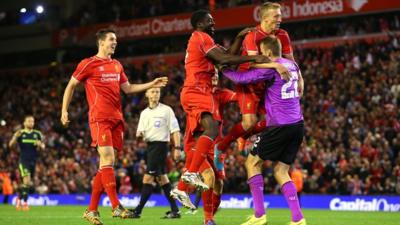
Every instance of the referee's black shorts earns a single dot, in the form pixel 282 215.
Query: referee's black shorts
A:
pixel 156 157
pixel 279 143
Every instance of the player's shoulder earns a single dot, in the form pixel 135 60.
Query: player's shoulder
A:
pixel 281 32
pixel 116 61
pixel 291 65
pixel 87 61
pixel 202 36
pixel 165 107
pixel 37 131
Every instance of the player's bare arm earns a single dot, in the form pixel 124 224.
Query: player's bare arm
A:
pixel 219 57
pixel 129 88
pixel 237 43
pixel 14 138
pixel 40 145
pixel 68 93
pixel 176 139
pixel 282 70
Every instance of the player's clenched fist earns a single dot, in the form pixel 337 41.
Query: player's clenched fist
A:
pixel 64 118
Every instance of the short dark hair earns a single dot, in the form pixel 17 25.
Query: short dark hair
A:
pixel 102 33
pixel 198 16
pixel 272 43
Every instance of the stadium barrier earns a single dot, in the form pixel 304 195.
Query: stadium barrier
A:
pixel 238 201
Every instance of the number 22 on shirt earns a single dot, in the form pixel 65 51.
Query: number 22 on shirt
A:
pixel 289 89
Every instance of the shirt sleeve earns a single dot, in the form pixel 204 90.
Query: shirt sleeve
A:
pixel 206 42
pixel 41 137
pixel 249 44
pixel 173 122
pixel 286 43
pixel 82 71
pixel 140 127
pixel 123 78
pixel 250 76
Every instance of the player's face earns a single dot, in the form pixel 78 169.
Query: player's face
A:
pixel 265 51
pixel 109 43
pixel 153 94
pixel 273 19
pixel 208 24
pixel 29 122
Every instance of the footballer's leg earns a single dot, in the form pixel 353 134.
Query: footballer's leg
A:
pixel 281 174
pixel 203 144
pixel 147 189
pixel 255 180
pixel 166 187
pixel 207 196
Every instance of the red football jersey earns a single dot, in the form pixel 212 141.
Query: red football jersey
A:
pixel 102 79
pixel 199 69
pixel 251 43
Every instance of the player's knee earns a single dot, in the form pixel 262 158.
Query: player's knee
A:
pixel 148 179
pixel 280 172
pixel 218 186
pixel 163 180
pixel 209 177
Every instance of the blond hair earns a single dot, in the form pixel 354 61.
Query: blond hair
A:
pixel 266 6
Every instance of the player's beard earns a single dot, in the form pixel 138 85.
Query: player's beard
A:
pixel 210 30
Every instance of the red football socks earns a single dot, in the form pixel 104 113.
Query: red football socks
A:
pixel 203 146
pixel 216 199
pixel 97 190
pixel 182 186
pixel 208 204
pixel 109 184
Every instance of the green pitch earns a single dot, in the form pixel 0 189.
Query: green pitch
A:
pixel 71 215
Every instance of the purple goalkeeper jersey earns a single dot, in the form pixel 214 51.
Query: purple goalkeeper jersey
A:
pixel 282 101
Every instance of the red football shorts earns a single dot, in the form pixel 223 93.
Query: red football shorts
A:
pixel 107 132
pixel 195 101
pixel 249 100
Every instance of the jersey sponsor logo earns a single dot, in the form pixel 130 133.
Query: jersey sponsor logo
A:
pixel 109 77
pixel 157 124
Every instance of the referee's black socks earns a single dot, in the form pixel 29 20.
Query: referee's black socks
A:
pixel 167 191
pixel 147 189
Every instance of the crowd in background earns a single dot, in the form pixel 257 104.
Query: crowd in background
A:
pixel 350 104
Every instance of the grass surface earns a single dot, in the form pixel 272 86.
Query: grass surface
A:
pixel 71 215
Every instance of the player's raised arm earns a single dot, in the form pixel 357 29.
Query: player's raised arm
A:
pixel 14 138
pixel 129 88
pixel 68 93
pixel 221 57
pixel 237 43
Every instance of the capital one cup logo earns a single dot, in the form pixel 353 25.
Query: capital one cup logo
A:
pixel 356 4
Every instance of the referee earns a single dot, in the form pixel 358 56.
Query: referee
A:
pixel 29 141
pixel 156 123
